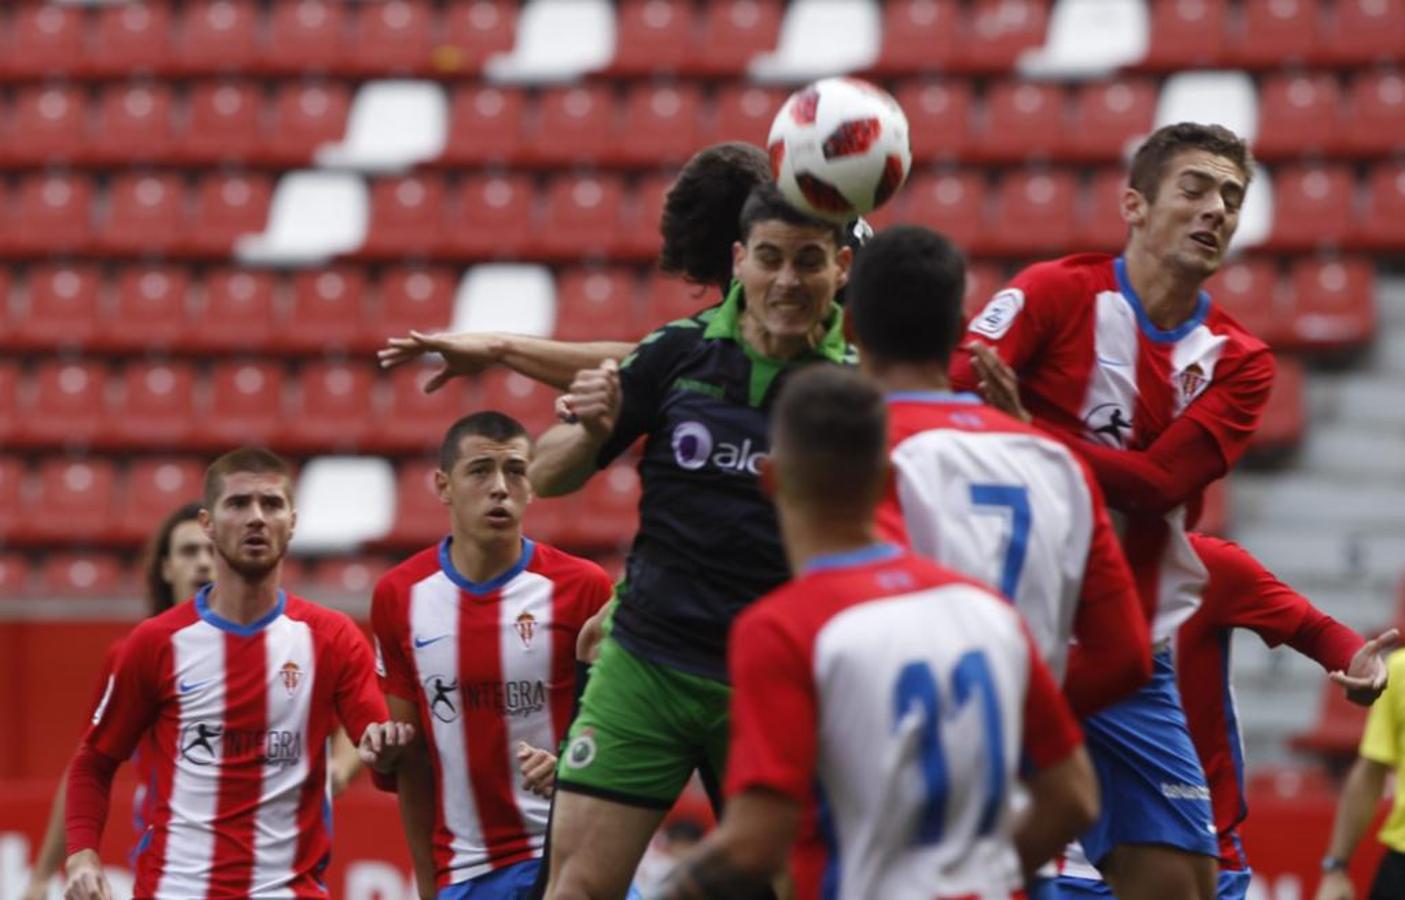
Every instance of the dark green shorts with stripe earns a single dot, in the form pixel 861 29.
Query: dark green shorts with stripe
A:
pixel 643 729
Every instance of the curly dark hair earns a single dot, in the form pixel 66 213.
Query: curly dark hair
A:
pixel 701 211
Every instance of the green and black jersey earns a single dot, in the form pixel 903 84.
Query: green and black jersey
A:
pixel 708 542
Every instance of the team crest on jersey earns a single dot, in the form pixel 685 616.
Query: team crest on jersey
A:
pixel 1190 382
pixel 581 753
pixel 291 675
pixel 526 629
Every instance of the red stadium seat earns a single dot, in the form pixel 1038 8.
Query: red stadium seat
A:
pixel 609 506
pixel 304 36
pixel 347 578
pixel 1023 120
pixel 667 299
pixel 305 116
pixel 225 123
pixel 326 309
pixel 1035 213
pixel 64 406
pixel 1313 206
pixel 592 304
pixel 9 412
pixel 153 487
pixel 1285 417
pixel 48 125
pixel 1186 34
pixel 421 519
pixel 1299 115
pixel 146 215
pixel 52 214
pixel 14 575
pixel 1277 32
pixel 661 124
pixel 582 217
pixel 938 116
pixel 238 312
pixel 490 218
pixel 1382 226
pixel 952 203
pixel 640 237
pixel 12 482
pixel 134 124
pixel 983 280
pixel 473 31
pixel 218 36
pixel 529 402
pixel 998 32
pixel 407 217
pixel 653 36
pixel 412 298
pixel 415 422
pixel 1377 124
pixel 43 39
pixel 226 206
pixel 333 408
pixel 63 308
pixel 73 502
pixel 132 38
pixel 1107 118
pixel 246 405
pixel 733 32
pixel 485 125
pixel 394 37
pixel 574 125
pixel 156 408
pixel 744 113
pixel 81 575
pixel 1251 291
pixel 1365 31
pixel 919 35
pixel 1333 303
pixel 1100 226
pixel 150 310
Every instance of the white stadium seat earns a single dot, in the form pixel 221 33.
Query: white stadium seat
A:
pixel 1090 39
pixel 820 38
pixel 506 297
pixel 393 125
pixel 557 41
pixel 1224 98
pixel 314 216
pixel 343 502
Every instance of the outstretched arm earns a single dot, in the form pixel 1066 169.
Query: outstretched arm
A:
pixel 566 455
pixel 468 353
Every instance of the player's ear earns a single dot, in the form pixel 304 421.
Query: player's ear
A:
pixel 845 259
pixel 1133 206
pixel 738 253
pixel 207 524
pixel 441 486
pixel 766 475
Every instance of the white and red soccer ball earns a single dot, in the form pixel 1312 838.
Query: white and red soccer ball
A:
pixel 839 148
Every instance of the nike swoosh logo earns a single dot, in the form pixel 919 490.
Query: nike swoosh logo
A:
pixel 186 687
pixel 421 643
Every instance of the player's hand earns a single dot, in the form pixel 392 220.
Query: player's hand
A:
pixel 538 768
pixel 463 353
pixel 1365 677
pixel 594 399
pixel 383 742
pixel 1335 886
pixel 998 383
pixel 86 880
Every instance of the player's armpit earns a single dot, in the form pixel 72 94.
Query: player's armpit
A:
pixel 740 857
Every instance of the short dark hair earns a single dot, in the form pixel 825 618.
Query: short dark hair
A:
pixel 905 291
pixel 491 424
pixel 246 459
pixel 159 595
pixel 700 212
pixel 830 428
pixel 765 203
pixel 1156 152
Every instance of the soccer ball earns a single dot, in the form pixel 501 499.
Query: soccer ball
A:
pixel 839 148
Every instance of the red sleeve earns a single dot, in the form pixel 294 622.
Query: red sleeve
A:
pixel 109 665
pixel 774 718
pixel 1050 731
pixel 89 793
pixel 1016 322
pixel 397 676
pixel 1230 409
pixel 1112 656
pixel 130 697
pixel 1175 468
pixel 358 698
pixel 1243 594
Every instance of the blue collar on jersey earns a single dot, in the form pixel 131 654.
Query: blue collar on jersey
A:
pixel 849 558
pixel 202 608
pixel 446 562
pixel 1148 327
pixel 963 397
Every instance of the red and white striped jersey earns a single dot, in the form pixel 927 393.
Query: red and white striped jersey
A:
pixel 487 666
pixel 238 718
pixel 1091 362
pixel 894 699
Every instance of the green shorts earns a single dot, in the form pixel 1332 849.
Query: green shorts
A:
pixel 643 729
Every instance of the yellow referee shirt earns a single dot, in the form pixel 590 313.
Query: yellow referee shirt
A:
pixel 1384 743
